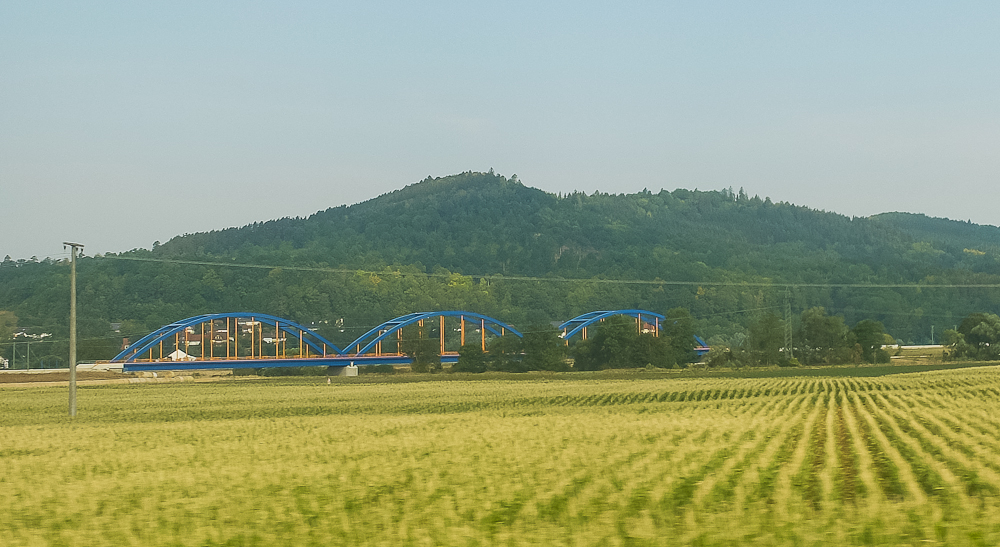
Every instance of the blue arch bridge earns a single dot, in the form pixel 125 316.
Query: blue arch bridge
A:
pixel 258 340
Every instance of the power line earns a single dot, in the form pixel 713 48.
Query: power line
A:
pixel 493 277
pixel 894 313
pixel 734 312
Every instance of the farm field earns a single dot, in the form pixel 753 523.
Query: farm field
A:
pixel 896 460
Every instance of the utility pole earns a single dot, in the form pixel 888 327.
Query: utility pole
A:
pixel 72 325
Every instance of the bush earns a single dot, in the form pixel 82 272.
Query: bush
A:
pixel 470 359
pixel 424 351
pixel 618 344
pixel 882 356
pixel 719 356
pixel 544 349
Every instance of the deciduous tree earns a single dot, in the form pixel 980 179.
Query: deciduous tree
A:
pixel 869 335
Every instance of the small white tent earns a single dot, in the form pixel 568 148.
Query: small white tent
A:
pixel 179 355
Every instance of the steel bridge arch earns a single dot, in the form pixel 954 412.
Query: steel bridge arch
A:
pixel 579 323
pixel 146 343
pixel 369 340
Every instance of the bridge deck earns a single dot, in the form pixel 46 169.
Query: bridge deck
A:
pixel 337 361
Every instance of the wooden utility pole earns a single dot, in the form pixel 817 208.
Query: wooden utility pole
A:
pixel 72 325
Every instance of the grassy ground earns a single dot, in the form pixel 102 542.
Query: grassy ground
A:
pixel 639 458
pixel 18 377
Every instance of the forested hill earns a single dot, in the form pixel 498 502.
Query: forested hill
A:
pixel 953 235
pixel 484 224
pixel 723 255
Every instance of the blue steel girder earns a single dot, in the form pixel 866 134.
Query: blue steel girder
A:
pixel 155 336
pixel 702 347
pixel 573 326
pixel 363 345
pixel 335 361
pixel 163 333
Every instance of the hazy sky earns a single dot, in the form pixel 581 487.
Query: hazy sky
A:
pixel 122 123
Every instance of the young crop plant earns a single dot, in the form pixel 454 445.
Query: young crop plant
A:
pixel 926 477
pixel 723 492
pixel 977 442
pixel 681 494
pixel 767 475
pixel 847 482
pixel 807 481
pixel 931 443
pixel 885 470
pixel 922 465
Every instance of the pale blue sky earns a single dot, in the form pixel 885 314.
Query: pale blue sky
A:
pixel 122 123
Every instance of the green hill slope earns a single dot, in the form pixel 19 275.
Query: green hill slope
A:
pixel 953 234
pixel 480 223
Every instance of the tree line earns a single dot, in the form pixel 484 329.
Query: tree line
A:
pixel 816 339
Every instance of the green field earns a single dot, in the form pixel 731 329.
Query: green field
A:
pixel 561 459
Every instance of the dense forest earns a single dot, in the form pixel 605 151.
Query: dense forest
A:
pixel 487 243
